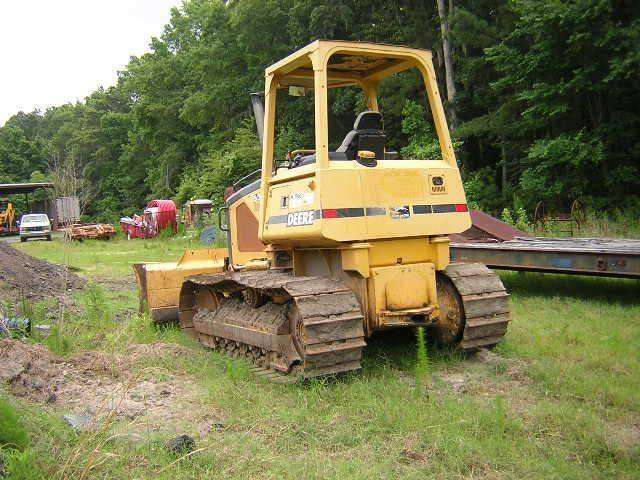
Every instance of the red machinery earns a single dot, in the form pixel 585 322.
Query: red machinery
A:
pixel 158 216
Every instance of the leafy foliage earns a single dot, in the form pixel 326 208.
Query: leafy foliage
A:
pixel 521 220
pixel 12 433
pixel 482 190
pixel 547 101
pixel 422 140
pixel 561 168
pixel 233 160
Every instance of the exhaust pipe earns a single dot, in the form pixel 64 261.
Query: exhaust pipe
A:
pixel 257 102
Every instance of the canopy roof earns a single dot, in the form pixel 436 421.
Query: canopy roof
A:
pixel 347 63
pixel 12 188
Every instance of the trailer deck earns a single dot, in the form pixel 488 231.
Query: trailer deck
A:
pixel 578 256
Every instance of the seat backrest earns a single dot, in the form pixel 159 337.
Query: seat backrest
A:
pixel 369 120
pixel 367 134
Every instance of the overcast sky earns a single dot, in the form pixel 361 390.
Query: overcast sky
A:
pixel 57 51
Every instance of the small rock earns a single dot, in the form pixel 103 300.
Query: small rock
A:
pixel 113 405
pixel 52 398
pixel 37 384
pixel 80 421
pixel 42 331
pixel 181 445
pixel 11 370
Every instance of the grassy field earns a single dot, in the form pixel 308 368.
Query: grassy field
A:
pixel 557 399
pixel 112 259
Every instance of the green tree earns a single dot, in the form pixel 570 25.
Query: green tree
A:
pixel 547 96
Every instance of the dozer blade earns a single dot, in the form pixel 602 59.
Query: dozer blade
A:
pixel 159 284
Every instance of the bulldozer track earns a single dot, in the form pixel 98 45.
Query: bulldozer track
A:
pixel 304 326
pixel 485 305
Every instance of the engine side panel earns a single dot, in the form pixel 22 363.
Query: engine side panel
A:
pixel 350 202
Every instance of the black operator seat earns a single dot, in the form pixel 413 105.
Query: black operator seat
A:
pixel 367 134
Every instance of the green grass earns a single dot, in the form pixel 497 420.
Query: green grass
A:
pixel 12 433
pixel 615 224
pixel 560 400
pixel 110 258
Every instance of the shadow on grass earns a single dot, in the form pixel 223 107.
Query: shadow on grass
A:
pixel 397 349
pixel 597 289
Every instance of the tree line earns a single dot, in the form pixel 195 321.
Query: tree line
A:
pixel 543 97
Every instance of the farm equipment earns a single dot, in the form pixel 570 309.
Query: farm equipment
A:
pixel 563 223
pixel 7 217
pixel 158 216
pixel 327 247
pixel 195 211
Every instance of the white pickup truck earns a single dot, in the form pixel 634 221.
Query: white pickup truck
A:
pixel 35 225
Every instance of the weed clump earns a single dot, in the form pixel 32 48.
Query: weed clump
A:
pixel 12 433
pixel 422 360
pixel 17 458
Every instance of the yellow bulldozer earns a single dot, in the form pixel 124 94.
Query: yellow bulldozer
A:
pixel 7 217
pixel 327 247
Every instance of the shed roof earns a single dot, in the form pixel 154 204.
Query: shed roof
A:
pixel 12 188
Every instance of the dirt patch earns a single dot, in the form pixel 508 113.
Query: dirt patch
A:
pixel 124 283
pixel 146 350
pixel 33 278
pixel 96 385
pixel 30 369
pixel 486 373
pixel 626 436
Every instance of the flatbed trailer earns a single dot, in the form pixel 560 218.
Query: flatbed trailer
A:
pixel 575 256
